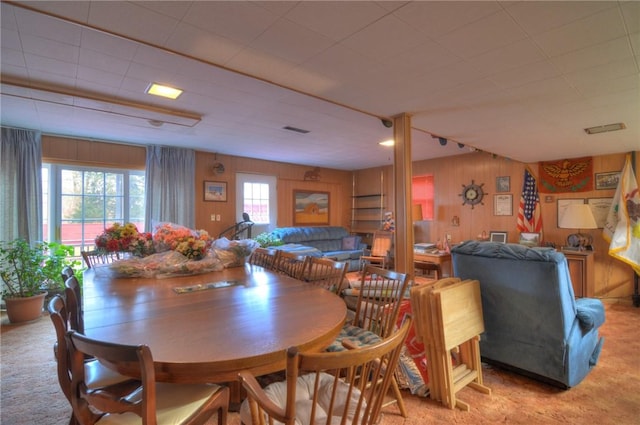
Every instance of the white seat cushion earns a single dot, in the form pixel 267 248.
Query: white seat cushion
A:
pixel 98 376
pixel 277 392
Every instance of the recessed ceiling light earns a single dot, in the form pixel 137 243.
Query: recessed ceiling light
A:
pixel 605 128
pixel 389 142
pixel 164 91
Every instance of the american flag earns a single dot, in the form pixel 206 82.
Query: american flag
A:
pixel 529 217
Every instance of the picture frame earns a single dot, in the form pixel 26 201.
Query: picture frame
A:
pixel 503 204
pixel 500 237
pixel 529 239
pixel 310 208
pixel 503 184
pixel 215 191
pixel 608 180
pixel 563 204
pixel 600 208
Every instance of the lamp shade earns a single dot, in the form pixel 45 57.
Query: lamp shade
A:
pixel 416 212
pixel 577 216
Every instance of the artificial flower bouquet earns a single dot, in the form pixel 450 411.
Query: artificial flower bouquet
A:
pixel 166 264
pixel 125 238
pixel 193 244
pixel 181 251
pixel 234 253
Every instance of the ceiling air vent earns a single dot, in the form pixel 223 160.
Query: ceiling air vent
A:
pixel 605 128
pixel 297 130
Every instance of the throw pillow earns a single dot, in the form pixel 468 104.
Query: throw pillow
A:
pixel 350 242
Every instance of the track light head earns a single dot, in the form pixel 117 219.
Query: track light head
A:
pixel 443 141
pixel 387 123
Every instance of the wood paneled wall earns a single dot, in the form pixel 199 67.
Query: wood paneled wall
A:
pixel 613 278
pixel 289 178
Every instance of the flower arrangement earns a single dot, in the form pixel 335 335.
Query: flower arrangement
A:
pixel 125 238
pixel 193 244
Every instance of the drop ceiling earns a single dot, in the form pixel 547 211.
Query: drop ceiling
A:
pixel 519 79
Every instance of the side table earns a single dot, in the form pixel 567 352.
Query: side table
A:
pixel 581 270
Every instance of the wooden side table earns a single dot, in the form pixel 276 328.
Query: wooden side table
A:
pixel 581 270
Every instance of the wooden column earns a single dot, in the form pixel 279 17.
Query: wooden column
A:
pixel 402 174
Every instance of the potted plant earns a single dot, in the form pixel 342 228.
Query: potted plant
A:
pixel 27 271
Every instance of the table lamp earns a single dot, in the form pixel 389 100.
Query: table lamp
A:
pixel 578 216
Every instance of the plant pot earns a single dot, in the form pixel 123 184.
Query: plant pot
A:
pixel 25 309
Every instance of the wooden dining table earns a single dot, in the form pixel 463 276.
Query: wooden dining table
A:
pixel 208 327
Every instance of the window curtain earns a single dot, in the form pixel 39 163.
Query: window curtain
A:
pixel 170 187
pixel 20 185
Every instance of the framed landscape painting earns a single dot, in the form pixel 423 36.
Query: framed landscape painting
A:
pixel 310 207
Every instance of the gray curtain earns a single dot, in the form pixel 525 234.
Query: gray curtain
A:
pixel 170 187
pixel 20 185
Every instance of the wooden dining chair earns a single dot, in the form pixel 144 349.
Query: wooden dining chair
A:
pixel 380 250
pixel 263 257
pixel 154 403
pixel 331 387
pixel 290 264
pixel 66 273
pixel 97 257
pixel 73 297
pixel 326 273
pixel 97 375
pixel 376 314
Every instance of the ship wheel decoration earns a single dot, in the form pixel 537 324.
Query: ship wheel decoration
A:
pixel 472 194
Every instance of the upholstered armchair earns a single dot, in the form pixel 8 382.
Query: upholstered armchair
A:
pixel 533 322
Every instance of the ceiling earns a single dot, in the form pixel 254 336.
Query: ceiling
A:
pixel 517 79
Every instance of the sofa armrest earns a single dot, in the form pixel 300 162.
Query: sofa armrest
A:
pixel 590 313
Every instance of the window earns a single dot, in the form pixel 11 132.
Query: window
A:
pixel 422 189
pixel 79 202
pixel 256 195
pixel 256 201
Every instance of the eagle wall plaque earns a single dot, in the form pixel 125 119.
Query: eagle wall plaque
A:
pixel 566 175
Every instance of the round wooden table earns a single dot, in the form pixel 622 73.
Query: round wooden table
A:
pixel 210 335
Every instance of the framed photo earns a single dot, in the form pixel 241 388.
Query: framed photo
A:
pixel 600 208
pixel 503 184
pixel 310 207
pixel 215 191
pixel 503 204
pixel 530 239
pixel 563 204
pixel 498 237
pixel 607 180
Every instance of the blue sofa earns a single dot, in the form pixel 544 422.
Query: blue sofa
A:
pixel 533 323
pixel 333 242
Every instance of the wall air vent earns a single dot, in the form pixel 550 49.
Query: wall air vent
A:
pixel 605 128
pixel 297 130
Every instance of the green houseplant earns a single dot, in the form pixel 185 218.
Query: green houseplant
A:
pixel 27 271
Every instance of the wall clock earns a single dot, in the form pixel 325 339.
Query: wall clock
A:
pixel 472 194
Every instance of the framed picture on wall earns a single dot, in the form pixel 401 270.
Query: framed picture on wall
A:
pixel 600 208
pixel 215 191
pixel 607 180
pixel 503 204
pixel 310 207
pixel 503 184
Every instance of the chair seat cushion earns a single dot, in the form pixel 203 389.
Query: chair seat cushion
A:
pixel 277 392
pixel 175 403
pixel 356 335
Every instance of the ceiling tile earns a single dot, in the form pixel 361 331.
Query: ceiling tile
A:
pixel 484 35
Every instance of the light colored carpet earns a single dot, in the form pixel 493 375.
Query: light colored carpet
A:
pixel 609 395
